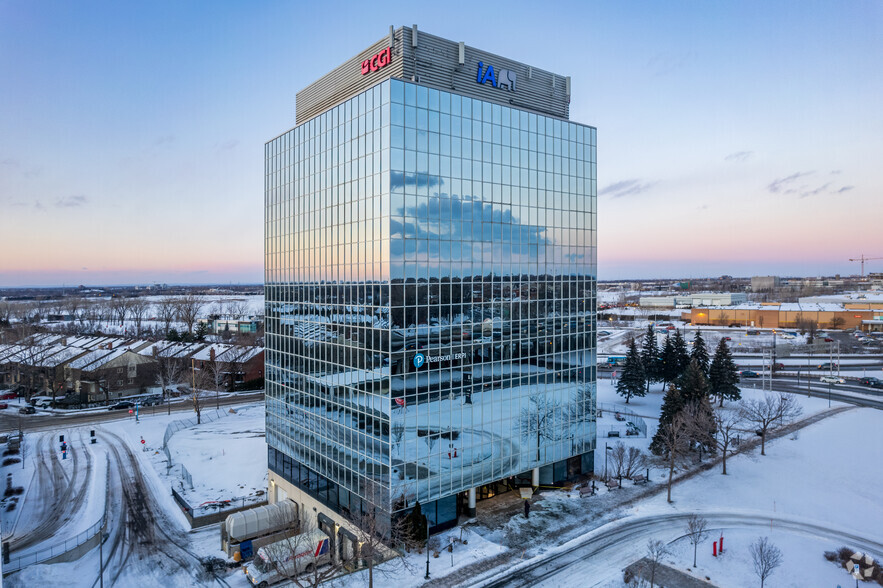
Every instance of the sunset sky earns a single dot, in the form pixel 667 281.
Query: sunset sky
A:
pixel 741 137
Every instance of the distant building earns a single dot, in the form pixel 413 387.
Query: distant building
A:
pixel 218 326
pixel 765 283
pixel 693 300
pixel 788 315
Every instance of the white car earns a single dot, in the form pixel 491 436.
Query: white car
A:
pixel 786 336
pixel 832 380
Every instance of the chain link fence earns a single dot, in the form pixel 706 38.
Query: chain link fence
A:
pixel 628 424
pixel 207 416
pixel 17 563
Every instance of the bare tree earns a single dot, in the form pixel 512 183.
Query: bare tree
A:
pixel 170 372
pixel 294 557
pixel 675 440
pixel 626 461
pixel 766 557
pixel 656 550
pixel 119 309
pixel 769 412
pixel 138 309
pixel 540 418
pixel 201 380
pixel 235 309
pixel 167 312
pixel 697 531
pixel 30 363
pixel 189 307
pixel 726 427
pixel 376 530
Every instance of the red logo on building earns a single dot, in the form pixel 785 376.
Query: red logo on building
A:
pixel 382 59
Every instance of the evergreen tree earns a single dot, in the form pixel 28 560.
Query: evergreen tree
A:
pixel 633 378
pixel 693 384
pixel 681 355
pixel 672 404
pixel 699 353
pixel 650 357
pixel 668 367
pixel 723 375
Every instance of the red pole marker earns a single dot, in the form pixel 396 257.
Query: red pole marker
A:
pixel 714 549
pixel 722 543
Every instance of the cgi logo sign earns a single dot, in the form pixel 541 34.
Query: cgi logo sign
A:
pixel 504 77
pixel 380 60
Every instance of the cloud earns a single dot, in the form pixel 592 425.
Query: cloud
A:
pixel 228 145
pixel 739 156
pixel 786 185
pixel 9 161
pixel 702 207
pixel 626 188
pixel 794 184
pixel 164 140
pixel 71 201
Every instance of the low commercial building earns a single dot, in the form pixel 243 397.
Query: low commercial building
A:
pixel 693 300
pixel 784 315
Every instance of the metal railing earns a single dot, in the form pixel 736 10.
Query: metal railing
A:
pixel 17 563
pixel 630 422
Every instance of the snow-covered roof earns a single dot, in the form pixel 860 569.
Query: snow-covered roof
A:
pixel 90 358
pixel 205 354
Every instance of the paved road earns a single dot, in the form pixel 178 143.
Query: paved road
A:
pixel 10 420
pixel 586 561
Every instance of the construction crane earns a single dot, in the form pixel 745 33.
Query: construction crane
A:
pixel 863 259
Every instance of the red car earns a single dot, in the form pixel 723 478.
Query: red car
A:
pixel 3 405
pixel 8 396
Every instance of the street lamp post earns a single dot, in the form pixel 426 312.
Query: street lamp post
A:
pixel 606 449
pixel 426 526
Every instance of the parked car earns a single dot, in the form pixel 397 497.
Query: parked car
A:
pixel 8 395
pixel 122 405
pixel 872 382
pixel 27 410
pixel 752 332
pixel 832 380
pixel 41 401
pixel 748 374
pixel 829 340
pixel 3 405
pixel 728 339
pixel 786 336
pixel 778 367
pixel 618 417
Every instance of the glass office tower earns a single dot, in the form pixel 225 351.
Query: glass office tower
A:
pixel 430 301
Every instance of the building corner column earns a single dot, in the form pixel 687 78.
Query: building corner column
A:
pixel 470 510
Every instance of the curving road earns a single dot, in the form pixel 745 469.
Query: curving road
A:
pixel 62 490
pixel 138 527
pixel 601 555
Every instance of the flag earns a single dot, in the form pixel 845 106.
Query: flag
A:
pixel 400 402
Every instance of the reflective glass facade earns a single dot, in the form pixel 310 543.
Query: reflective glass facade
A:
pixel 430 299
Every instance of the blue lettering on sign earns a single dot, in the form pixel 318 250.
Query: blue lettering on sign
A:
pixel 419 360
pixel 504 78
